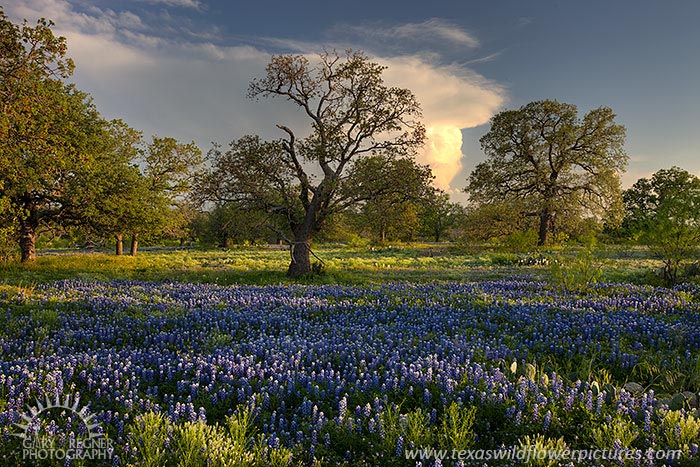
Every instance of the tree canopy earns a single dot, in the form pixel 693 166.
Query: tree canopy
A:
pixel 544 155
pixel 664 212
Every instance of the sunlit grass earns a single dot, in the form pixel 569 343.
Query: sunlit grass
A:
pixel 260 265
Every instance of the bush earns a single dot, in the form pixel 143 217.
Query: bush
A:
pixel 576 274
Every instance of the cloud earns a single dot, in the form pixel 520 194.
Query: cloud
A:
pixel 435 27
pixel 452 98
pixel 195 89
pixel 194 4
pixel 430 32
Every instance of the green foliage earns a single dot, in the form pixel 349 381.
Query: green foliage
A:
pixel 457 429
pixel 496 220
pixel 540 448
pixel 550 160
pixel 664 213
pixel 520 241
pixel 439 215
pixel 392 193
pixel 618 430
pixel 680 429
pixel 576 274
pixel 148 435
pixel 157 441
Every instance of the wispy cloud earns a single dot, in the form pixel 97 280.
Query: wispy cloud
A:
pixel 435 27
pixel 484 59
pixel 430 32
pixel 194 4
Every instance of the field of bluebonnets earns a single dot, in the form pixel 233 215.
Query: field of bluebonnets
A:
pixel 203 374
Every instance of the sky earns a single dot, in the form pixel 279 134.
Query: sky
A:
pixel 181 68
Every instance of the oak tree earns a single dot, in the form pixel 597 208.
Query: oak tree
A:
pixel 546 157
pixel 42 123
pixel 305 177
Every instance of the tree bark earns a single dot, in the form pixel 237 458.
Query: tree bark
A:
pixel 120 245
pixel 545 220
pixel 301 255
pixel 134 244
pixel 27 240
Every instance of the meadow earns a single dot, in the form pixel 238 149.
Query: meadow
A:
pixel 204 358
pixel 342 264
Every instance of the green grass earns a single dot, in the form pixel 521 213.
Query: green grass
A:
pixel 348 265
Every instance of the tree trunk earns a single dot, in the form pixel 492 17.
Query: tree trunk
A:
pixel 301 255
pixel 134 244
pixel 27 240
pixel 545 219
pixel 120 245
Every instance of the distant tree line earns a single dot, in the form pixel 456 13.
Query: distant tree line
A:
pixel 351 176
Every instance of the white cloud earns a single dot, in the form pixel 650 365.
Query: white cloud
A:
pixel 452 98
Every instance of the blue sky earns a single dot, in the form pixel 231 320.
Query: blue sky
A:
pixel 181 67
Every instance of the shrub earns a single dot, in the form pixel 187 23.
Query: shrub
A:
pixel 576 274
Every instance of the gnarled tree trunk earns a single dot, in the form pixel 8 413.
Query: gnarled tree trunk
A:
pixel 120 245
pixel 301 254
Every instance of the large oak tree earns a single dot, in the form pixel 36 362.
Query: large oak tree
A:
pixel 307 176
pixel 35 150
pixel 545 156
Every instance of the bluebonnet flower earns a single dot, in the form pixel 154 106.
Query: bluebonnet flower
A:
pixel 399 446
pixel 547 420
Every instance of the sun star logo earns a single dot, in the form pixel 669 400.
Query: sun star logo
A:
pixel 43 439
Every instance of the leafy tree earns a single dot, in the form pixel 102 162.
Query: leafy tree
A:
pixel 42 161
pixel 664 213
pixel 352 115
pixel 497 220
pixel 544 155
pixel 181 220
pixel 229 223
pixel 439 214
pixel 27 54
pixel 44 126
pixel 110 190
pixel 395 190
pixel 124 198
pixel 167 177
